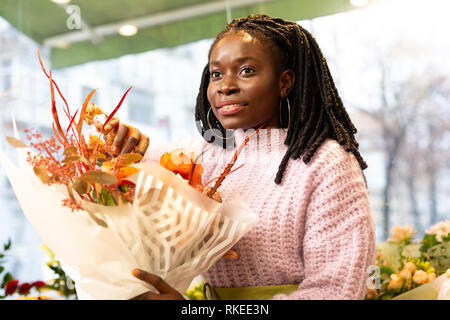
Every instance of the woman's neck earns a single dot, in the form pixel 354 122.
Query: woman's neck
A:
pixel 266 140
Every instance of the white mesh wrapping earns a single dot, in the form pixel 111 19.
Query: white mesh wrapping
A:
pixel 171 230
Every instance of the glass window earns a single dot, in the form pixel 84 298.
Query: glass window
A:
pixel 140 107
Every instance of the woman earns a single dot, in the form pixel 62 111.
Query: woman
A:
pixel 302 175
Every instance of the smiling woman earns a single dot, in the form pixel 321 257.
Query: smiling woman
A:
pixel 315 238
pixel 245 86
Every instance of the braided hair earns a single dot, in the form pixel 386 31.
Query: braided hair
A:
pixel 317 111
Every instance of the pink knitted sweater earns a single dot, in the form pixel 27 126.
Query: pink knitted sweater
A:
pixel 315 229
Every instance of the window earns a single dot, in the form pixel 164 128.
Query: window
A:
pixel 141 107
pixel 6 75
pixel 7 82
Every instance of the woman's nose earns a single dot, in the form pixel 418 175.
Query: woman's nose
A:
pixel 228 86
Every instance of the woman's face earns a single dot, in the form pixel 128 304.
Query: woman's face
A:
pixel 245 86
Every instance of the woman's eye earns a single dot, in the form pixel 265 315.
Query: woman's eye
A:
pixel 247 70
pixel 215 74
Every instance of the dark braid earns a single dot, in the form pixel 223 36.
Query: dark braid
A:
pixel 317 111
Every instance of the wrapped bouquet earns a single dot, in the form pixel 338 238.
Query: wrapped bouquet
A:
pixel 105 213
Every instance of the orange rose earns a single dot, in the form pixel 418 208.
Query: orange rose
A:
pixel 181 161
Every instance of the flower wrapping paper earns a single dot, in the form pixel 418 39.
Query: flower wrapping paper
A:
pixel 170 229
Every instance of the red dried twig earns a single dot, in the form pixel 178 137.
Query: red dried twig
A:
pixel 67 110
pixel 106 122
pixel 54 111
pixel 57 88
pixel 56 134
pixel 83 112
pixel 71 121
pixel 115 110
pixel 203 187
pixel 230 165
pixel 50 155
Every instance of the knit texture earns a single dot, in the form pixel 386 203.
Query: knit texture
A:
pixel 315 229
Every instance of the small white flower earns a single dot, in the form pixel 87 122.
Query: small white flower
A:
pixel 440 229
pixel 420 277
pixel 401 233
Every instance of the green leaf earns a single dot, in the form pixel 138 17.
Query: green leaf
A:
pixel 2 269
pixel 7 246
pixel 110 200
pixel 446 238
pixel 387 270
pixel 98 221
pixel 81 186
pixel 127 159
pixel 55 269
pixel 70 150
pixel 42 175
pixel 107 198
pixel 6 278
pixel 71 158
pixel 428 241
pixel 16 143
pixel 103 196
pixel 94 176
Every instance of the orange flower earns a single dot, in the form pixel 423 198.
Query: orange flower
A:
pixel 420 277
pixel 125 172
pixel 181 161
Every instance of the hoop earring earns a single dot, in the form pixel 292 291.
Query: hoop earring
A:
pixel 289 112
pixel 212 130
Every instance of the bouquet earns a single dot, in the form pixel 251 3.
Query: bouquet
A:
pixel 104 214
pixel 413 269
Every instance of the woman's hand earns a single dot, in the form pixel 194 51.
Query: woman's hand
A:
pixel 125 139
pixel 119 137
pixel 166 292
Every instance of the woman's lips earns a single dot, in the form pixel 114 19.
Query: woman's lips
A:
pixel 230 108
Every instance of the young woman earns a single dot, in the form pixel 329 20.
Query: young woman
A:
pixel 302 173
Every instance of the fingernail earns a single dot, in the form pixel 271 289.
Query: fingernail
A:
pixel 136 272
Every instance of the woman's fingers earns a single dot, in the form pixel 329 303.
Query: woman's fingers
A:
pixel 99 121
pixel 166 292
pixel 126 139
pixel 142 145
pixel 132 141
pixel 119 139
pixel 154 280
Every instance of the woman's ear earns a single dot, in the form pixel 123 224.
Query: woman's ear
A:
pixel 286 82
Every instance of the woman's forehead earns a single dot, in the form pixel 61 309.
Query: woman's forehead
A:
pixel 240 43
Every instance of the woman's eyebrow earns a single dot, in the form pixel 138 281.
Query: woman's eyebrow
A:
pixel 244 59
pixel 238 60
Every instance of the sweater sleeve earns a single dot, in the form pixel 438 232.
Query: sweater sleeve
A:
pixel 339 239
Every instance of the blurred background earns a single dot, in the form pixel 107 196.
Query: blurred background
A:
pixel 389 59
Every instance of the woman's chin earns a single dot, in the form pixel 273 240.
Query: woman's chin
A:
pixel 232 125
